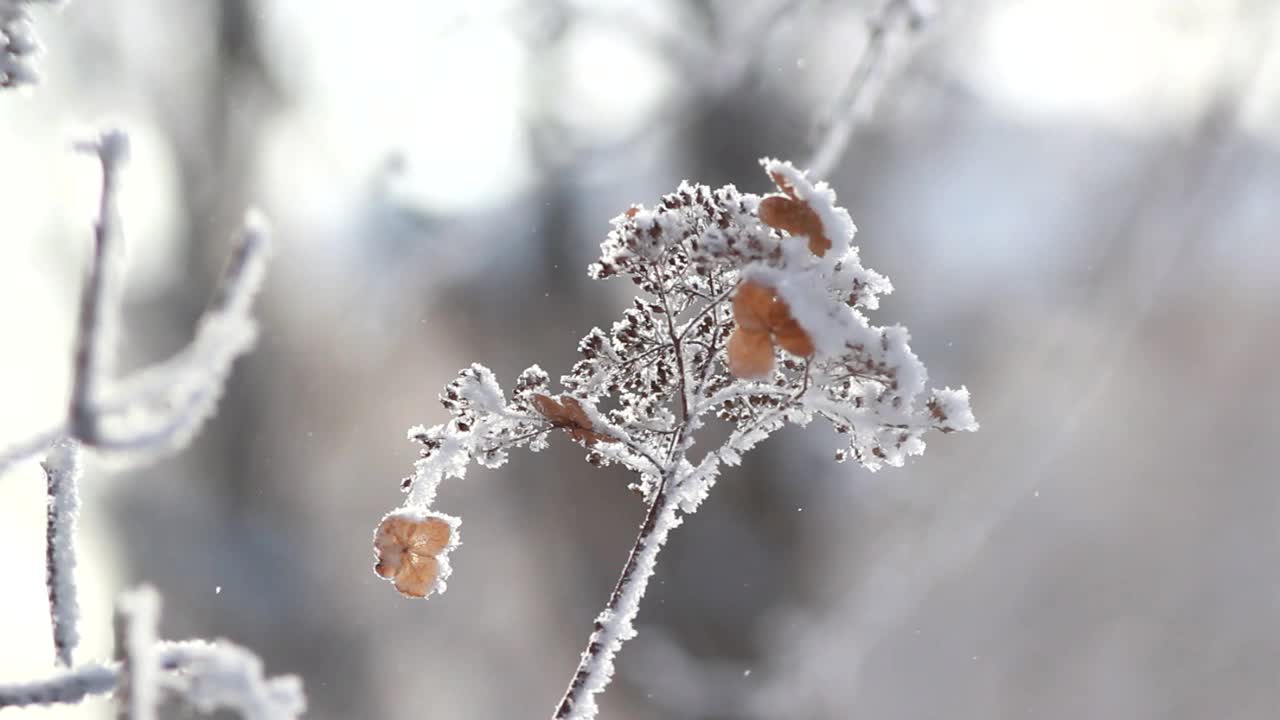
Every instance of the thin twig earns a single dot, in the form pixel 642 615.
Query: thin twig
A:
pixel 135 641
pixel 98 302
pixel 70 687
pixel 183 391
pixel 614 626
pixel 62 470
pixel 895 18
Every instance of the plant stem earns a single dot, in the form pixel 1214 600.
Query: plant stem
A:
pixel 613 626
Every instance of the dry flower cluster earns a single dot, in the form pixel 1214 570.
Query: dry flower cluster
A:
pixel 750 312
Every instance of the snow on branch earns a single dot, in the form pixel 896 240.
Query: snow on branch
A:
pixel 62 469
pixel 156 411
pixel 141 418
pixel 207 676
pixel 100 298
pixel 887 32
pixel 68 687
pixel 223 675
pixel 752 313
pixel 136 622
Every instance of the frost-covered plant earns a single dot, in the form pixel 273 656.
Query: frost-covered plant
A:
pixel 139 419
pixel 751 312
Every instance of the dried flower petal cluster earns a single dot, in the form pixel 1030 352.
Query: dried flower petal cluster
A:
pixel 410 546
pixel 763 320
pixel 750 311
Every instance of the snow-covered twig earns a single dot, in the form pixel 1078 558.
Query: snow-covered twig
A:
pixel 100 298
pixel 885 33
pixel 156 411
pixel 62 469
pixel 137 617
pixel 223 675
pixel 149 414
pixel 210 676
pixel 615 624
pixel 68 687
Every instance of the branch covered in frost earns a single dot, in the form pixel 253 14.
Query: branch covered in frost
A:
pixel 69 687
pixel 886 35
pixel 62 469
pixel 752 313
pixel 223 675
pixel 100 298
pixel 615 624
pixel 209 676
pixel 137 617
pixel 18 44
pixel 158 410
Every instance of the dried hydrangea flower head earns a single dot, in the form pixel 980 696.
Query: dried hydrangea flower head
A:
pixel 409 544
pixel 750 312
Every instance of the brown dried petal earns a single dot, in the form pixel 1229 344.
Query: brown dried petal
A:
pixel 407 545
pixel 792 338
pixel 750 353
pixel 752 304
pixel 569 415
pixel 797 218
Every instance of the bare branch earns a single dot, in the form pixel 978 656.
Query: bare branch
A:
pixel 895 19
pixel 613 625
pixel 158 410
pixel 137 615
pixel 99 302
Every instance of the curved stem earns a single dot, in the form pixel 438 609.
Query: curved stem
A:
pixel 613 625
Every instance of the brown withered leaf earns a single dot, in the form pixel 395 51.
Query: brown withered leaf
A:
pixel 750 353
pixel 784 185
pixel 408 545
pixel 796 218
pixel 762 320
pixel 568 415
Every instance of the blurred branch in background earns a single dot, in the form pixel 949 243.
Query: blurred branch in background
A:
pixel 887 32
pixel 173 399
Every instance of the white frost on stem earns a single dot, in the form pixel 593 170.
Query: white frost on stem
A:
pixel 62 468
pixel 224 675
pixel 158 410
pixel 886 31
pixel 615 625
pixel 69 687
pixel 208 675
pixel 100 298
pixel 137 617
